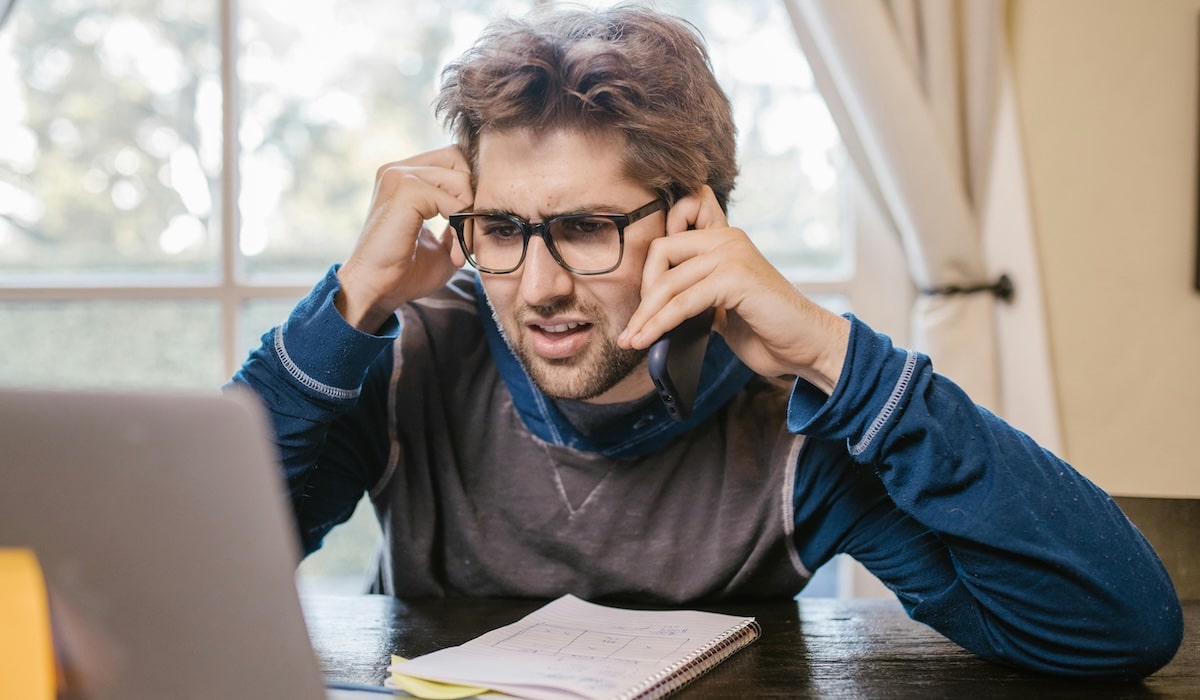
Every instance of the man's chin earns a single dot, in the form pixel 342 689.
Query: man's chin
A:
pixel 560 379
pixel 577 378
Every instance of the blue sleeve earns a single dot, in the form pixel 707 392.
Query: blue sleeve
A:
pixel 324 386
pixel 982 534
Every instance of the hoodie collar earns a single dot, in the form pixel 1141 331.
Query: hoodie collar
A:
pixel 645 430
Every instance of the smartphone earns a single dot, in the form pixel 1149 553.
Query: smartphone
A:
pixel 675 361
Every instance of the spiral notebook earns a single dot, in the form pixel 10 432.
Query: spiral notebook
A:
pixel 570 648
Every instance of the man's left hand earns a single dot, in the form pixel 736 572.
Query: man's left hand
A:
pixel 703 263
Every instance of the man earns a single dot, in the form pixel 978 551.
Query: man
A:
pixel 507 431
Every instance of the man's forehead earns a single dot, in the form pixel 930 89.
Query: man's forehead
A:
pixel 500 146
pixel 542 173
pixel 539 136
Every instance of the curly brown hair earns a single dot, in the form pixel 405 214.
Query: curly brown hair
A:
pixel 627 69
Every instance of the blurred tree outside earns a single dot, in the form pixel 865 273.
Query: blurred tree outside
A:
pixel 109 137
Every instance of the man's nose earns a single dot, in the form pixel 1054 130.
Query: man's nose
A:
pixel 542 278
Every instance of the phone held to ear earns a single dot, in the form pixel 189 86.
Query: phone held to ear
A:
pixel 675 361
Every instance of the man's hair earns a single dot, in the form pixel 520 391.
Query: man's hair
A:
pixel 627 69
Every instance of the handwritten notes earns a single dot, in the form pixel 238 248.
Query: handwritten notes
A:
pixel 574 649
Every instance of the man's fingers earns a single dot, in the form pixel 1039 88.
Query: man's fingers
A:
pixel 429 191
pixel 448 157
pixel 436 182
pixel 666 253
pixel 394 178
pixel 672 296
pixel 699 210
pixel 454 182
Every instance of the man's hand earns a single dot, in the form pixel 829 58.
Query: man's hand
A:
pixel 771 326
pixel 397 259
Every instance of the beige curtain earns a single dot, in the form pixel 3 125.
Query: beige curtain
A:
pixel 913 86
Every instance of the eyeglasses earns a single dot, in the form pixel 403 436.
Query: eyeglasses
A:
pixel 585 244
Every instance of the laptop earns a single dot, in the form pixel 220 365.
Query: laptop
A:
pixel 163 531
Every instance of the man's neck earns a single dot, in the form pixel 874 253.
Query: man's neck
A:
pixel 589 417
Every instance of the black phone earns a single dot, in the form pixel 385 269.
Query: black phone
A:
pixel 675 361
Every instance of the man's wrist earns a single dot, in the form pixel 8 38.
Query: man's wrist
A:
pixel 319 349
pixel 826 370
pixel 362 315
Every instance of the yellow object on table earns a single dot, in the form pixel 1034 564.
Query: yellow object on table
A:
pixel 428 690
pixel 26 646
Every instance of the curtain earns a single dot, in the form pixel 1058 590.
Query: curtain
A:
pixel 914 87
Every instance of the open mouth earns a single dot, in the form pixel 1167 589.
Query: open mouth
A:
pixel 557 341
pixel 560 329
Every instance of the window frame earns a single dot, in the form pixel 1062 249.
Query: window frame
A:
pixel 231 288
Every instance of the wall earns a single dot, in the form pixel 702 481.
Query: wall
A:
pixel 1107 93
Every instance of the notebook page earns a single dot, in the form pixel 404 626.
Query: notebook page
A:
pixel 574 649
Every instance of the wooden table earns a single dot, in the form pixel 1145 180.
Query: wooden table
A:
pixel 813 648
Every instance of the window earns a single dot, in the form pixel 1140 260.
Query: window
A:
pixel 174 174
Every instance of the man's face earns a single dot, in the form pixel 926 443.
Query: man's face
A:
pixel 561 326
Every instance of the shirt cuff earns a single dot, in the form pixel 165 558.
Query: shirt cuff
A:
pixel 324 353
pixel 870 395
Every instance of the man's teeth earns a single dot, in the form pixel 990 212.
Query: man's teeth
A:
pixel 561 327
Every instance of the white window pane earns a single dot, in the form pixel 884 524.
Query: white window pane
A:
pixel 110 137
pixel 111 344
pixel 256 318
pixel 346 559
pixel 330 92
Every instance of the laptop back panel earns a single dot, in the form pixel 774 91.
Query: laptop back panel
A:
pixel 161 524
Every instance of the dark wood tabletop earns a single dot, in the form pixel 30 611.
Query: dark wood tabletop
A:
pixel 811 648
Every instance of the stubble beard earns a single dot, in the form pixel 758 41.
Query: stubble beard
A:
pixel 600 367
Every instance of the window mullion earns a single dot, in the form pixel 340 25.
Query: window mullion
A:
pixel 230 296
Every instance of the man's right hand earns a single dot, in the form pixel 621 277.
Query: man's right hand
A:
pixel 397 259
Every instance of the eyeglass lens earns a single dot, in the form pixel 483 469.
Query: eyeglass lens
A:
pixel 583 243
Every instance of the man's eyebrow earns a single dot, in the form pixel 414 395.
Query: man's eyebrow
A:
pixel 492 212
pixel 542 216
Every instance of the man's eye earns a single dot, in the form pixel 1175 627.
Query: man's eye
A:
pixel 501 229
pixel 587 227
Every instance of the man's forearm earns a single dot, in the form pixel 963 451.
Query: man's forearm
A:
pixel 309 372
pixel 1029 563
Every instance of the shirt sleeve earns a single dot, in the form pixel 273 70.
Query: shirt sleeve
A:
pixel 982 534
pixel 323 384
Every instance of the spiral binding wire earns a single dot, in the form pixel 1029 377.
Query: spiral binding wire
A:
pixel 676 677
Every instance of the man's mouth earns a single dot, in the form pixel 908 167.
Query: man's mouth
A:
pixel 559 327
pixel 558 341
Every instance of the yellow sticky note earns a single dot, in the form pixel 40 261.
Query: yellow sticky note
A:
pixel 26 647
pixel 429 690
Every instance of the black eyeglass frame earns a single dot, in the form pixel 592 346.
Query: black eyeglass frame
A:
pixel 528 230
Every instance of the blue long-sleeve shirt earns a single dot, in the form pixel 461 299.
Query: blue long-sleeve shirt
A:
pixel 981 533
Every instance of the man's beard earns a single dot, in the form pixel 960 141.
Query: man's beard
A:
pixel 601 367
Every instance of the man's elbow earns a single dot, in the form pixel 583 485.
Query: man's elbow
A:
pixel 1153 640
pixel 1128 647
